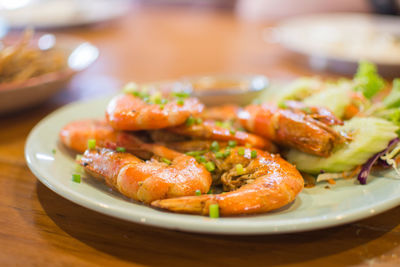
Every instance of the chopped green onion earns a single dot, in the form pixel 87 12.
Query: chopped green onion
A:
pixel 306 110
pixel 214 146
pixel 130 88
pixel 198 120
pixel 209 192
pixel 181 94
pixel 227 152
pixel 180 102
pixel 165 160
pixel 282 105
pixel 239 169
pixel 156 98
pixel 232 132
pixel 200 159
pixel 76 178
pixel 196 153
pixel 219 155
pixel 78 167
pixel 53 151
pixel 120 149
pixel 232 143
pixel 198 192
pixel 190 121
pixel 214 210
pixel 210 166
pixel 162 106
pixel 240 151
pixel 253 154
pixel 218 123
pixel 92 143
pixel 157 101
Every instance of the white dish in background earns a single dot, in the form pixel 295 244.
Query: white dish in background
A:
pixel 314 208
pixel 337 41
pixel 61 13
pixel 80 55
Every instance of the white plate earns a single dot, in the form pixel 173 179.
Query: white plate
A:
pixel 337 41
pixel 314 208
pixel 61 13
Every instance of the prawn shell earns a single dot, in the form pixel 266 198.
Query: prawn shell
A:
pixel 128 112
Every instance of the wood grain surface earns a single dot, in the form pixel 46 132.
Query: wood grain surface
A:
pixel 40 228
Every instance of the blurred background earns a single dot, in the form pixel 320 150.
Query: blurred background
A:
pixel 127 40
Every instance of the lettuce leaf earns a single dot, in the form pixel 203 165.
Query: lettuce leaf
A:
pixel 392 100
pixel 367 79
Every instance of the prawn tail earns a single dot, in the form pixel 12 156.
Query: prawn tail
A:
pixel 191 204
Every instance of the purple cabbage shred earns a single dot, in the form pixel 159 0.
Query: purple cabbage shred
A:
pixel 366 168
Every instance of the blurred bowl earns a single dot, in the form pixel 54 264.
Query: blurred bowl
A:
pixel 338 41
pixel 79 54
pixel 226 89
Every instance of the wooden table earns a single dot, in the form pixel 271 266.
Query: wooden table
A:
pixel 40 228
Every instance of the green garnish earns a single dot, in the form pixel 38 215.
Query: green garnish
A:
pixel 282 105
pixel 232 132
pixel 198 120
pixel 232 143
pixel 181 94
pixel 239 169
pixel 307 110
pixel 219 155
pixel 196 153
pixel 92 143
pixel 198 192
pixel 227 152
pixel 190 121
pixel 78 168
pixel 165 160
pixel 130 88
pixel 76 178
pixel 253 154
pixel 156 98
pixel 218 123
pixel 53 151
pixel 200 159
pixel 214 146
pixel 368 80
pixel 210 166
pixel 241 151
pixel 180 102
pixel 209 192
pixel 120 149
pixel 214 210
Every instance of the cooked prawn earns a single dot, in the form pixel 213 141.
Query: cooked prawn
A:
pixel 209 129
pixel 290 127
pixel 174 175
pixel 76 134
pixel 220 113
pixel 130 112
pixel 265 183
